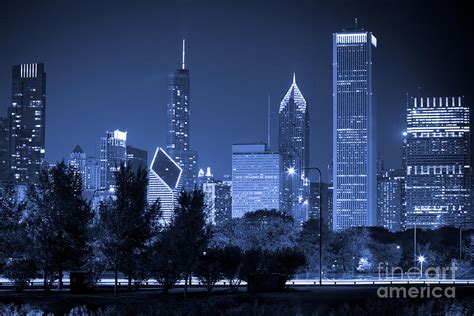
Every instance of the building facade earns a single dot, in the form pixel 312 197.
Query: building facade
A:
pixel 294 151
pixel 438 160
pixel 113 153
pixel 178 137
pixel 137 158
pixel 164 183
pixel 354 144
pixel 223 202
pixel 255 179
pixel 26 116
pixel 390 198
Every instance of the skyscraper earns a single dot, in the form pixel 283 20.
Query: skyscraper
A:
pixel 137 158
pixel 27 122
pixel 88 168
pixel 91 175
pixel 390 190
pixel 178 114
pixel 255 179
pixel 77 159
pixel 113 152
pixel 438 162
pixel 354 145
pixel 223 202
pixel 164 183
pixel 294 151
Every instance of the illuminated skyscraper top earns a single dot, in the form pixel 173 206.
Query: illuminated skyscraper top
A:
pixel 294 151
pixel 438 162
pixel 354 145
pixel 178 114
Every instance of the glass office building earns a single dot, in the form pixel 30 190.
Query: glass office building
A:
pixel 354 145
pixel 294 151
pixel 390 199
pixel 164 183
pixel 255 179
pixel 438 162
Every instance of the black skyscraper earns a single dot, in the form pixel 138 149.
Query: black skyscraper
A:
pixel 178 126
pixel 27 122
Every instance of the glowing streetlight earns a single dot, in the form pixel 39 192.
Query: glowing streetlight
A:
pixel 291 171
pixel 421 259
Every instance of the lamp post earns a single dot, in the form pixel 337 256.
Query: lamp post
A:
pixel 414 240
pixel 292 171
pixel 421 259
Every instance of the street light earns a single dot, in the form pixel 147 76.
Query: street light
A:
pixel 292 171
pixel 414 240
pixel 421 259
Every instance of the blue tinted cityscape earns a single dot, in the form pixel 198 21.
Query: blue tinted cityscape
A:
pixel 303 195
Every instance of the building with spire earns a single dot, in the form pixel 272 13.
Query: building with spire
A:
pixel 294 151
pixel 354 144
pixel 178 114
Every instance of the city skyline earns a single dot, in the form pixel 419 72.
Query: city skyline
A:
pixel 312 69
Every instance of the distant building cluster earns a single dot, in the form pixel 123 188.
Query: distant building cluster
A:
pixel 431 188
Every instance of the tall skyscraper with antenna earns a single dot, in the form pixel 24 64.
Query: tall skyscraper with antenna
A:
pixel 178 113
pixel 354 145
pixel 294 151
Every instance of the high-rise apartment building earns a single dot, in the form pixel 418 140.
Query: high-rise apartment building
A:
pixel 26 116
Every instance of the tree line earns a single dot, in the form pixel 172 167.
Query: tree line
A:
pixel 54 230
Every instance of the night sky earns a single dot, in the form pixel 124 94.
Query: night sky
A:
pixel 107 64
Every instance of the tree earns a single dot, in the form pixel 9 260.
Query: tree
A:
pixel 231 262
pixel 164 259
pixel 59 220
pixel 190 231
pixel 262 229
pixel 208 268
pixel 129 225
pixel 308 243
pixel 16 261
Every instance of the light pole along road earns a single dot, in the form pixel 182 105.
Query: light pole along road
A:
pixel 292 171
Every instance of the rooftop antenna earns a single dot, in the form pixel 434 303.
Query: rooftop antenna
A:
pixel 294 77
pixel 268 122
pixel 356 24
pixel 184 44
